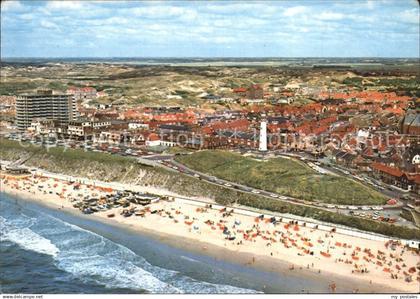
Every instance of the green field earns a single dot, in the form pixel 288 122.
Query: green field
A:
pixel 283 176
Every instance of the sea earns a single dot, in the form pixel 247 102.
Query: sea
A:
pixel 48 251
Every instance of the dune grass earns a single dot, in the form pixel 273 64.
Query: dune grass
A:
pixel 283 176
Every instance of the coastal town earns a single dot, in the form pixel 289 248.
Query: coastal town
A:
pixel 219 147
pixel 352 128
pixel 345 158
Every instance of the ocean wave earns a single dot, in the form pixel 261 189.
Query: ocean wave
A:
pixel 114 265
pixel 114 274
pixel 26 238
pixel 93 258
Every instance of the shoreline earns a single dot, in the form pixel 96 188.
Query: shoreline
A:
pixel 247 259
pixel 258 262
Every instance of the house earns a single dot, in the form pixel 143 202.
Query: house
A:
pixel 391 175
pixel 153 140
pixel 343 158
pixel 82 93
pixel 174 129
pixel 253 92
pixel 78 129
pixel 236 139
pixel 237 124
pixel 86 127
pixel 118 125
pixel 115 136
pixel 411 123
pixel 252 101
pixel 241 91
pixel 137 125
pixel 44 126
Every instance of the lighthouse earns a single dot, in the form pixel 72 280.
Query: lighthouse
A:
pixel 263 137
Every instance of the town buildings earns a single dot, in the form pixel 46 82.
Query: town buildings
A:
pixel 46 105
pixel 82 93
pixel 253 92
pixel 371 132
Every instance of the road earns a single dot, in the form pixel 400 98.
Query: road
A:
pixel 361 211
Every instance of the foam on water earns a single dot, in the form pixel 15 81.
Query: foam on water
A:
pixel 26 238
pixel 95 259
pixel 189 259
pixel 118 266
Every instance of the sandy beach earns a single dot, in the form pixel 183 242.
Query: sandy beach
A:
pixel 271 244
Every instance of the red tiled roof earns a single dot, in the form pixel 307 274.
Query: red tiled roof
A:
pixel 235 124
pixel 352 141
pixel 368 151
pixel 153 137
pixel 414 177
pixel 387 169
pixel 240 89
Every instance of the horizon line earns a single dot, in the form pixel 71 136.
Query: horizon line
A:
pixel 209 57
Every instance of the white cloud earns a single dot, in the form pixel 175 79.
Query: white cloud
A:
pixel 11 5
pixel 410 16
pixel 63 5
pixel 48 24
pixel 26 17
pixel 108 21
pixel 223 39
pixel 296 10
pixel 330 16
pixel 215 22
pixel 370 4
pixel 262 9
pixel 160 11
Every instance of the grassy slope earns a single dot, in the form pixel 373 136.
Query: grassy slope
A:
pixel 284 176
pixel 106 167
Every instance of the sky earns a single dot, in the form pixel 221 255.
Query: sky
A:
pixel 311 28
